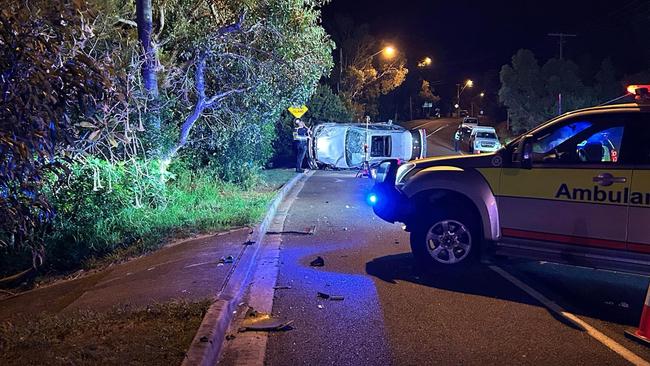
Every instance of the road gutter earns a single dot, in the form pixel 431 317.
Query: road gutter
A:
pixel 573 319
pixel 209 339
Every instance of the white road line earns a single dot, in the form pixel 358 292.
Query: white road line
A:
pixel 436 131
pixel 593 332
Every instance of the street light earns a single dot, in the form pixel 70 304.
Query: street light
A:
pixel 468 84
pixel 482 94
pixel 426 62
pixel 388 51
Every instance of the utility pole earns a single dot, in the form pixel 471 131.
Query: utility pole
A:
pixel 561 37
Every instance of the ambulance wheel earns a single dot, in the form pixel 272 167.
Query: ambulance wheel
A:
pixel 447 240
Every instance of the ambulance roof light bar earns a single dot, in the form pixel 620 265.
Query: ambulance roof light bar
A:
pixel 640 92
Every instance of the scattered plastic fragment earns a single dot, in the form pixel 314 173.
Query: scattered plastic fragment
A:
pixel 320 306
pixel 249 242
pixel 325 296
pixel 318 262
pixel 226 260
pixel 282 288
pixel 624 305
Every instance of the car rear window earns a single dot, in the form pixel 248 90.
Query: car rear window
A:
pixel 486 135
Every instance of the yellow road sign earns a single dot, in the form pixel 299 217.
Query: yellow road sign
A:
pixel 298 111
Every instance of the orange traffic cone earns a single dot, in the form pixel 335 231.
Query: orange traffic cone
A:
pixel 643 333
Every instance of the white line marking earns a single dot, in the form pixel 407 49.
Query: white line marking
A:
pixel 436 131
pixel 593 332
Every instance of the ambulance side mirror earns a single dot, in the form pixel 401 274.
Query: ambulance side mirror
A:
pixel 526 152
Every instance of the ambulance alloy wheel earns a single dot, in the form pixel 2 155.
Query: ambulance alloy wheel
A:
pixel 448 239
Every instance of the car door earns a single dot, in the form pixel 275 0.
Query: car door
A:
pixel 574 194
pixel 638 228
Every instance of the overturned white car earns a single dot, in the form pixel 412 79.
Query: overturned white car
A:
pixel 342 145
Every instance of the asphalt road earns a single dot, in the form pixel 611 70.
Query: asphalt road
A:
pixel 440 133
pixel 391 314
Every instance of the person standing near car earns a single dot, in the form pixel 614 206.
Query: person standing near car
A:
pixel 301 140
pixel 457 140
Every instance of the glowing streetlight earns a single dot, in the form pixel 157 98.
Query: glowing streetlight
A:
pixel 426 62
pixel 482 94
pixel 468 84
pixel 388 52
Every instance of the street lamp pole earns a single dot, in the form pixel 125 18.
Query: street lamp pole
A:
pixel 468 83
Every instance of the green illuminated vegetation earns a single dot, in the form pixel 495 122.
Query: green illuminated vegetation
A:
pixel 123 123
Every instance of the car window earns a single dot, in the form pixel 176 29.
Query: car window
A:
pixel 548 141
pixel 601 147
pixel 637 145
pixel 380 146
pixel 580 142
pixel 486 135
pixel 354 142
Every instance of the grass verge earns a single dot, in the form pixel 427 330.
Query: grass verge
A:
pixel 156 335
pixel 195 206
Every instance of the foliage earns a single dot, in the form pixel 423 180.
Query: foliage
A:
pixel 531 92
pixel 226 70
pixel 366 74
pixel 50 87
pixel 426 95
pixel 325 106
pixel 98 218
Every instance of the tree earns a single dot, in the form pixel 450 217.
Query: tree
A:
pixel 364 74
pixel 426 96
pixel 531 93
pixel 522 91
pixel 326 106
pixel 50 88
pixel 608 84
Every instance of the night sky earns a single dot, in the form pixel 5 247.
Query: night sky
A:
pixel 469 39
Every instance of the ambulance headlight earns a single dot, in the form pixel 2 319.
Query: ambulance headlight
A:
pixel 403 171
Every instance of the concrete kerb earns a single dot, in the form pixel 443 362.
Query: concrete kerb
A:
pixel 208 341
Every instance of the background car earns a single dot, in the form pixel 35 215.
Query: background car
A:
pixel 341 145
pixel 483 139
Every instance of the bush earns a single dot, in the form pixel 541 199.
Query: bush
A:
pixel 121 210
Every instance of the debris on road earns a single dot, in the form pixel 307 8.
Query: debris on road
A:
pixel 256 321
pixel 318 262
pixel 226 260
pixel 308 231
pixel 282 288
pixel 249 242
pixel 624 305
pixel 325 296
pixel 320 306
pixel 230 337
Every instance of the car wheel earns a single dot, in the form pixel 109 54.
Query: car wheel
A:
pixel 448 240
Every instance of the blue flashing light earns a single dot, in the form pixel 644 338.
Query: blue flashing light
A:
pixel 372 199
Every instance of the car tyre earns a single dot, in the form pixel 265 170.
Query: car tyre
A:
pixel 450 239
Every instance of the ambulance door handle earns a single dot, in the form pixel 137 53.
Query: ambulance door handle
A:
pixel 606 179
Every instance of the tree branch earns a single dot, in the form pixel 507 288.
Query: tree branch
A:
pixel 219 97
